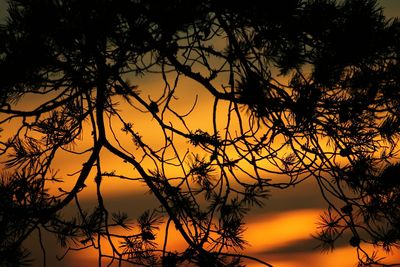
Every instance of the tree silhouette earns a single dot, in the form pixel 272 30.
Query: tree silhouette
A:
pixel 301 90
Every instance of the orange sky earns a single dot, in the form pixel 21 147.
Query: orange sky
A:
pixel 281 239
pixel 279 233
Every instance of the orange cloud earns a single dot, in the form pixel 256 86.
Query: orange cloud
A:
pixel 273 231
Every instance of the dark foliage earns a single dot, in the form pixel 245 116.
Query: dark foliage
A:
pixel 308 89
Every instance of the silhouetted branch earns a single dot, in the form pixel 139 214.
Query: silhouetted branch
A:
pixel 296 91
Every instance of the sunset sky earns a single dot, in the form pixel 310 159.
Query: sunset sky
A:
pixel 279 233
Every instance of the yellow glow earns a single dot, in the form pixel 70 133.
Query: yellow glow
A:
pixel 274 231
pixel 269 232
pixel 264 233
